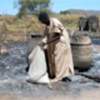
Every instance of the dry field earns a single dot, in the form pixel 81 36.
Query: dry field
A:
pixel 19 29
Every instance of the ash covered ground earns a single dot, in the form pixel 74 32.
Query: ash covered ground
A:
pixel 13 75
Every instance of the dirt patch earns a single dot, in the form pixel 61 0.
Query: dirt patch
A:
pixel 13 85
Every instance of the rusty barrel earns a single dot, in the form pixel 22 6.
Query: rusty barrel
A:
pixel 82 52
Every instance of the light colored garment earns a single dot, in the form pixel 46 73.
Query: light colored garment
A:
pixel 59 52
pixel 38 69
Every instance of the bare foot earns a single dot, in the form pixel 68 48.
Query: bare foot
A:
pixel 54 80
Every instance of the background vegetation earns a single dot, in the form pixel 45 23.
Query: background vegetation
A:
pixel 19 27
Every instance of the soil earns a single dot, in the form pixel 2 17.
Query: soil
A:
pixel 13 84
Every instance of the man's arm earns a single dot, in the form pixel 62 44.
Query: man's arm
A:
pixel 56 37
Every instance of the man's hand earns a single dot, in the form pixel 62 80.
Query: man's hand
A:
pixel 56 37
pixel 42 44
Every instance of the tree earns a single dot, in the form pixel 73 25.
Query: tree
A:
pixel 32 6
pixel 65 12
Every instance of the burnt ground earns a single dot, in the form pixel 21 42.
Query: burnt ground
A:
pixel 13 75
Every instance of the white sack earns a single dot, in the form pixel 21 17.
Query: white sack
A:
pixel 38 69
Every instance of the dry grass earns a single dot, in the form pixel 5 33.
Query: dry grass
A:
pixel 18 29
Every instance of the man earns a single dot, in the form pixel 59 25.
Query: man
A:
pixel 57 43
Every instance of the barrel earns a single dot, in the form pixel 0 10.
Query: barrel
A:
pixel 82 52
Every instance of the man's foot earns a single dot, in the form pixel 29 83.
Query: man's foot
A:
pixel 66 79
pixel 53 80
pixel 49 86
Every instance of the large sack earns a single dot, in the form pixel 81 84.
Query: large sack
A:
pixel 38 69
